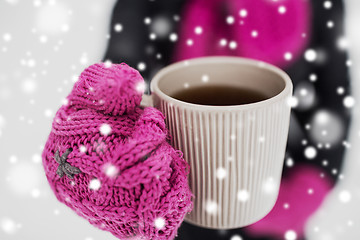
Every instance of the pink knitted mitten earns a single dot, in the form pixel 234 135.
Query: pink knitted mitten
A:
pixel 109 160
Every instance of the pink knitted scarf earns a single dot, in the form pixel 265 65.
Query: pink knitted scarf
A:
pixel 272 31
pixel 109 160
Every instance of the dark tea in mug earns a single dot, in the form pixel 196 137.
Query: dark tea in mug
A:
pixel 219 95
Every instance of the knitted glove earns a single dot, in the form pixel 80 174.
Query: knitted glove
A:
pixel 108 159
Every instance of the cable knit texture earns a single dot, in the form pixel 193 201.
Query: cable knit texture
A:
pixel 132 183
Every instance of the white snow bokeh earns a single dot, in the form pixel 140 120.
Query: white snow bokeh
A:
pixel 324 121
pixel 23 177
pixel 290 235
pixel 44 46
pixel 95 184
pixel 221 173
pixel 8 226
pixel 306 95
pixel 159 223
pixel 160 26
pixel 338 217
pixel 105 129
pixel 243 195
pixel 53 18
pixel 111 170
pixel 211 207
pixel 310 152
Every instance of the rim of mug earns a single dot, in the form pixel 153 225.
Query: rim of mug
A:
pixel 154 87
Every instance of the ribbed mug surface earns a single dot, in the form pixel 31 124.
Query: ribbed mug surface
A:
pixel 235 153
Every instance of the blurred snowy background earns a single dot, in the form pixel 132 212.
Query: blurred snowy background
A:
pixel 44 46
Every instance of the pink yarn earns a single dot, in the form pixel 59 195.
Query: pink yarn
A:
pixel 114 142
pixel 300 195
pixel 263 29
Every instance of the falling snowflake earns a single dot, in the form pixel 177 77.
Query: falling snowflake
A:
pixel 231 158
pixel 310 191
pixel 173 37
pixel 118 27
pixel 243 195
pixel 232 45
pixel 53 19
pixel 8 226
pixel 289 162
pixel 108 63
pixel 205 78
pixel 286 206
pixel 236 237
pixel 223 42
pixel 344 196
pixel 327 4
pixel 243 13
pixel 13 159
pixel 330 24
pixel 7 37
pixel 147 20
pixel 48 113
pixel 349 101
pixel 310 152
pixel 313 77
pixel 269 186
pixel 94 184
pixel 230 20
pixel 105 129
pixel 348 63
pixel 2 122
pixel 141 66
pixel 211 207
pixel 56 212
pixel 84 59
pixel 159 223
pixel 340 90
pixel 303 92
pixel 221 173
pixel 198 30
pixel 288 56
pixel 83 149
pixel 290 235
pixel 23 177
pixel 293 102
pixel 189 42
pixel 310 55
pixel 140 87
pixel 254 33
pixel 43 39
pixel 36 158
pixel 111 170
pixel 342 43
pixel 31 63
pixel 282 9
pixel 152 36
pixel 161 26
pixel 35 193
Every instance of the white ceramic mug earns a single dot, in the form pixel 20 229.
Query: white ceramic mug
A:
pixel 235 152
